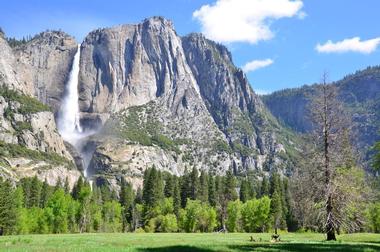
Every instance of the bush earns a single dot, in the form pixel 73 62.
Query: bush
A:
pixel 234 216
pixel 168 223
pixel 374 217
pixel 28 104
pixel 256 214
pixel 197 217
pixel 16 150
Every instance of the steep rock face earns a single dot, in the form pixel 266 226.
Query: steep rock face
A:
pixel 44 63
pixel 130 65
pixel 236 109
pixel 360 93
pixel 7 66
pixel 180 100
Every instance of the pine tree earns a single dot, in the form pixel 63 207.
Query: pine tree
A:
pixel 230 193
pixel 126 201
pixel 35 192
pixel 275 184
pixel 148 187
pixel 7 208
pixel 176 197
pixel 45 194
pixel 169 186
pixel 245 191
pixel 264 189
pixel 185 183
pixel 158 188
pixel 203 187
pixel 66 186
pixel 219 188
pixel 212 194
pixel 77 188
pixel 139 196
pixel 276 210
pixel 84 198
pixel 153 188
pixel 25 183
pixel 194 183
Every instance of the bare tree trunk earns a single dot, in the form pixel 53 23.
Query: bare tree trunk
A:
pixel 330 230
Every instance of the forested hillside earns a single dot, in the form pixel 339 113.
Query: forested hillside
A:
pixel 360 93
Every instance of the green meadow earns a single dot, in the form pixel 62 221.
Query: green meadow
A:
pixel 161 242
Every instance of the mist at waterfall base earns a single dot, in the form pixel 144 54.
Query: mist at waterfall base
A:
pixel 68 120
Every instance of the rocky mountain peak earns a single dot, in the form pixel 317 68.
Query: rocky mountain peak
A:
pixel 200 41
pixel 157 23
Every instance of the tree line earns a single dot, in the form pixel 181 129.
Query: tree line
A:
pixel 166 203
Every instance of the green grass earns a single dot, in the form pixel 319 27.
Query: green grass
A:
pixel 188 242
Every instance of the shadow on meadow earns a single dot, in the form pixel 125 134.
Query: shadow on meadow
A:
pixel 286 247
pixel 175 248
pixel 293 247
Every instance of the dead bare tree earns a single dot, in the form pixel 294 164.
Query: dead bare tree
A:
pixel 330 125
pixel 329 187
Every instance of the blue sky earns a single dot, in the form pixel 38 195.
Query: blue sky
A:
pixel 280 40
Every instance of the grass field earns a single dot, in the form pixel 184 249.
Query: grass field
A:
pixel 188 242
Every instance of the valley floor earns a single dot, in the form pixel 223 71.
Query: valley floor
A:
pixel 188 242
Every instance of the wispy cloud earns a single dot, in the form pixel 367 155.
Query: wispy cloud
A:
pixel 245 20
pixel 256 64
pixel 349 45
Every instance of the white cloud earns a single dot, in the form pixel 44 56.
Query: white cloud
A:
pixel 244 20
pixel 256 64
pixel 349 45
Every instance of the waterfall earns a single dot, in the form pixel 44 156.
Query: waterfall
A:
pixel 68 120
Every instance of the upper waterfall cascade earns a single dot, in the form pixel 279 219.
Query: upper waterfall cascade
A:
pixel 68 120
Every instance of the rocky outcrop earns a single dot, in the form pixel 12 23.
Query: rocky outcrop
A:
pixel 44 63
pixel 30 144
pixel 7 67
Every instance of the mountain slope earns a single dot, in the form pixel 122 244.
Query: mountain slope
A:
pixel 174 103
pixel 360 93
